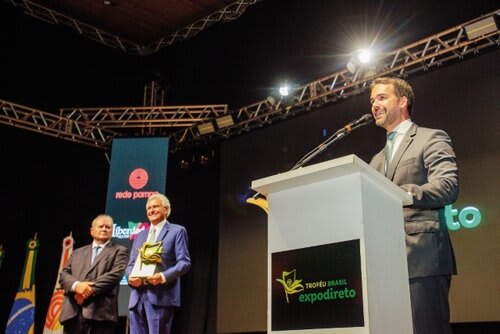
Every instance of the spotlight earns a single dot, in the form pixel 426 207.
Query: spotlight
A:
pixel 204 160
pixel 364 56
pixel 224 121
pixel 183 164
pixel 361 61
pixel 271 100
pixel 206 128
pixel 284 90
pixel 481 28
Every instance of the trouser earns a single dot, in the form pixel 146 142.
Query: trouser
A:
pixel 146 318
pixel 80 325
pixel 429 304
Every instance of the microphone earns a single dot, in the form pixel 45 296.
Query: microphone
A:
pixel 363 120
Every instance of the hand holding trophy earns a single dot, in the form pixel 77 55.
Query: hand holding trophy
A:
pixel 147 259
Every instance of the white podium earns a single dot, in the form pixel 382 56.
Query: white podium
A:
pixel 336 250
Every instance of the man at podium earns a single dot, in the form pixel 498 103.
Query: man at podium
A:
pixel 422 162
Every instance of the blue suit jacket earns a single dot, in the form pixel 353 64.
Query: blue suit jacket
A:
pixel 175 263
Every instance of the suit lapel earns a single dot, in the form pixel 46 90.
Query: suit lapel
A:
pixel 408 138
pixel 87 257
pixel 98 258
pixel 103 252
pixel 163 232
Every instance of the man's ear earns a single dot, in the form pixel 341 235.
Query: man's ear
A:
pixel 403 102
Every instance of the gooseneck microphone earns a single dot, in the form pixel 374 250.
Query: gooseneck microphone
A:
pixel 363 120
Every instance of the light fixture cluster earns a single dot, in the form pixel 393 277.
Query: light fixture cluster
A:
pixel 215 124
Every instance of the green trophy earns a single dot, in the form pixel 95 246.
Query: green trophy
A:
pixel 147 259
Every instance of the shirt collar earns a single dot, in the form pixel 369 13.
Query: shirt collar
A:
pixel 403 127
pixel 94 244
pixel 159 226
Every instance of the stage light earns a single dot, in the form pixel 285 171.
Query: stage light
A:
pixel 184 164
pixel 224 121
pixel 284 90
pixel 206 128
pixel 364 56
pixel 271 100
pixel 361 61
pixel 481 28
pixel 204 160
pixel 351 66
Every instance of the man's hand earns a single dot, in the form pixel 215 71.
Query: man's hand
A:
pixel 155 279
pixel 85 289
pixel 135 281
pixel 79 299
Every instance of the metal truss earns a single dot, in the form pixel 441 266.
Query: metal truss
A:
pixel 154 94
pixel 98 126
pixel 150 118
pixel 428 53
pixel 225 14
pixel 56 126
pixel 155 120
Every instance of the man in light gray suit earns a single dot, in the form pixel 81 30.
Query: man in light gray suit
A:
pixel 91 282
pixel 422 162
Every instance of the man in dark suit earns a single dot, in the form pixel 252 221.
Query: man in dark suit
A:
pixel 422 162
pixel 91 282
pixel 152 299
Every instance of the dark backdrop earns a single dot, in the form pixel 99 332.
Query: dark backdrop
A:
pixel 51 186
pixel 461 99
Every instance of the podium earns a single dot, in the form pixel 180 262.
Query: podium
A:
pixel 336 250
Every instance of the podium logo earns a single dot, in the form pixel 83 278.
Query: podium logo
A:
pixel 290 283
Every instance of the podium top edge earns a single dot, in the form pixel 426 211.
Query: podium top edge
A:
pixel 342 166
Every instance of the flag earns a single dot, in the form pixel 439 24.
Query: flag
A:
pixel 52 324
pixel 2 254
pixel 22 315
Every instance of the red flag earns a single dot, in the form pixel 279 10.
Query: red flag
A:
pixel 52 324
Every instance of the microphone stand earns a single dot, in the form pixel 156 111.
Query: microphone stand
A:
pixel 320 148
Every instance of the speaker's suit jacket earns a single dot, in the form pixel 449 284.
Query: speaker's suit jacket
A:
pixel 175 263
pixel 425 166
pixel 106 273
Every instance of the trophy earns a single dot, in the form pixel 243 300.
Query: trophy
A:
pixel 147 259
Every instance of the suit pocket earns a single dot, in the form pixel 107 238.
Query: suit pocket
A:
pixel 421 227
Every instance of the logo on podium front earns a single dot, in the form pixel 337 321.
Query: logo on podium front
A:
pixel 317 287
